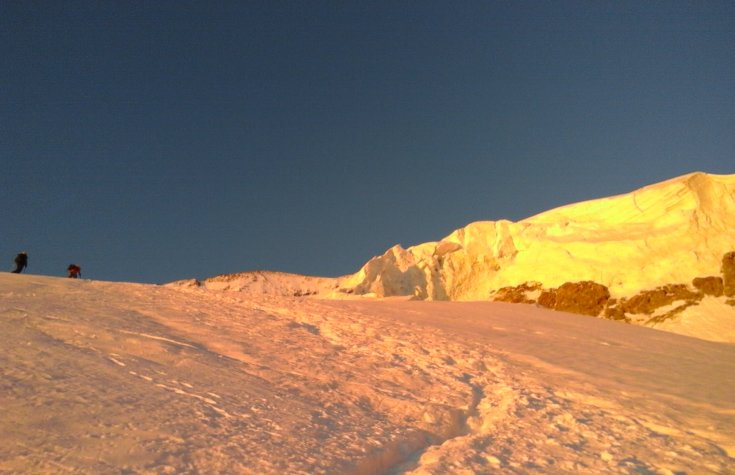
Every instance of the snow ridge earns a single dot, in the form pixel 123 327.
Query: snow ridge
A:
pixel 267 283
pixel 668 232
pixel 665 235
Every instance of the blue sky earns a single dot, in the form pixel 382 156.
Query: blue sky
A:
pixel 154 141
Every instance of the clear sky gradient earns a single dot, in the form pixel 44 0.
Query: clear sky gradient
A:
pixel 151 141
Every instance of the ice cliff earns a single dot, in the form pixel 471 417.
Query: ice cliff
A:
pixel 673 231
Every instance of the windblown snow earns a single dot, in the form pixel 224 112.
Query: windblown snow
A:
pixel 126 378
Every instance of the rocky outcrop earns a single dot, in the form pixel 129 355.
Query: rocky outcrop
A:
pixel 648 301
pixel 709 285
pixel 548 298
pixel 525 293
pixel 585 298
pixel 728 274
pixel 592 298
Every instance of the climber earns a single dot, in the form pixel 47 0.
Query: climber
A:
pixel 21 262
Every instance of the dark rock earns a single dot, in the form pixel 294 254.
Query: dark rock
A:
pixel 586 298
pixel 548 298
pixel 728 274
pixel 614 310
pixel 709 285
pixel 648 301
pixel 673 312
pixel 517 294
pixel 591 298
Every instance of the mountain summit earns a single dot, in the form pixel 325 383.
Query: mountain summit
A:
pixel 669 232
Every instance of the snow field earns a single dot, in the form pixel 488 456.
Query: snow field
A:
pixel 126 378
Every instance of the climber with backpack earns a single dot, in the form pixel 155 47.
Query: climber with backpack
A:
pixel 75 271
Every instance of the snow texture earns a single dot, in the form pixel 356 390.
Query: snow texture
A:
pixel 127 378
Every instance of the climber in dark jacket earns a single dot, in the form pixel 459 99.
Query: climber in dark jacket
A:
pixel 75 271
pixel 21 262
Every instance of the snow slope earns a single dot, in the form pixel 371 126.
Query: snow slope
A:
pixel 125 378
pixel 267 283
pixel 669 232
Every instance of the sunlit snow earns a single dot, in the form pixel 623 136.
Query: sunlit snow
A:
pixel 668 232
pixel 127 378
